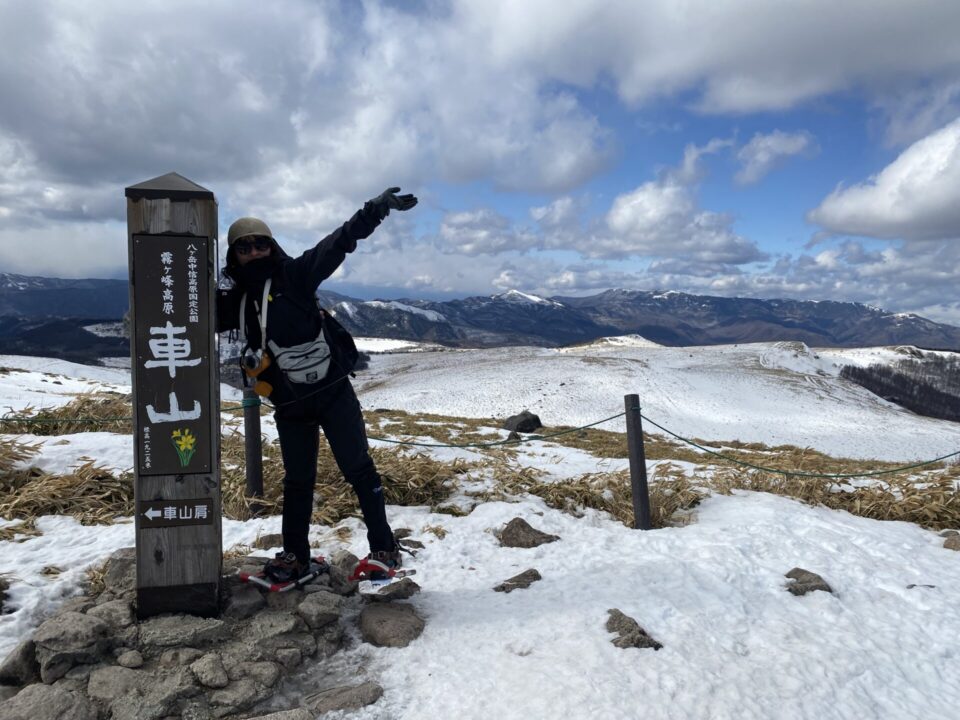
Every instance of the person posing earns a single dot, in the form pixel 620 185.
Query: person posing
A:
pixel 300 357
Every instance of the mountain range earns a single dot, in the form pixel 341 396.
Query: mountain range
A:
pixel 33 311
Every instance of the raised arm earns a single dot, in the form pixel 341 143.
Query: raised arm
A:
pixel 320 262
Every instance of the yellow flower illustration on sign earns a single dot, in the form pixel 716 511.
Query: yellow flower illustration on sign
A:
pixel 186 445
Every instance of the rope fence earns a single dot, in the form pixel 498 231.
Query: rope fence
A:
pixel 27 420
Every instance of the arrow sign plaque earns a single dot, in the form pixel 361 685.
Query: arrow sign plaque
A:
pixel 168 513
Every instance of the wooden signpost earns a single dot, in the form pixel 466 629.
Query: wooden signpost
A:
pixel 172 251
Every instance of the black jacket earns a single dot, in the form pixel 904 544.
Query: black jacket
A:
pixel 293 316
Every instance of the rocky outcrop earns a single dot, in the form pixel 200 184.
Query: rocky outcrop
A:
pixel 94 660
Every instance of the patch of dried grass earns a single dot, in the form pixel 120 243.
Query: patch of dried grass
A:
pixel 93 412
pixel 611 492
pixel 931 501
pixel 13 452
pixel 91 494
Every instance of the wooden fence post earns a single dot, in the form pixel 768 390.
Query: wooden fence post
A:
pixel 638 463
pixel 172 251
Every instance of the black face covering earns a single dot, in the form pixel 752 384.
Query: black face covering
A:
pixel 255 272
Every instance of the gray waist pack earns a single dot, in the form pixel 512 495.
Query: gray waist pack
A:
pixel 304 363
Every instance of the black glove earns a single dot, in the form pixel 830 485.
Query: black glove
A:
pixel 389 200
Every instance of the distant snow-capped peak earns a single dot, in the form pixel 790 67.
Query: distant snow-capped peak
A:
pixel 521 297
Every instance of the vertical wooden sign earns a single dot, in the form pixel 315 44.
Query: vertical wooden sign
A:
pixel 172 231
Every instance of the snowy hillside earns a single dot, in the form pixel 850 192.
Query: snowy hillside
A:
pixel 736 644
pixel 776 393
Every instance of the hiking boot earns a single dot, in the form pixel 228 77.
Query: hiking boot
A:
pixel 378 565
pixel 284 568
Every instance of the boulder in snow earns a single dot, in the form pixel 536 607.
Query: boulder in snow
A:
pixel 525 422
pixel 805 581
pixel 629 632
pixel 390 624
pixel 518 533
pixel 519 582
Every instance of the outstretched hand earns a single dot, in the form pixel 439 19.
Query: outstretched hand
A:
pixel 389 200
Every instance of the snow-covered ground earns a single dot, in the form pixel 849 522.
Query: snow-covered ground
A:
pixel 776 393
pixel 736 643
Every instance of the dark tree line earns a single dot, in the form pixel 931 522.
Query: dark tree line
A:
pixel 929 386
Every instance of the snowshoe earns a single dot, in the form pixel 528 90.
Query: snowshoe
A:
pixel 378 570
pixel 284 573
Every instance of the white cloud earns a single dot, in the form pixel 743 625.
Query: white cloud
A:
pixel 766 152
pixel 482 231
pixel 736 56
pixel 661 219
pixel 915 197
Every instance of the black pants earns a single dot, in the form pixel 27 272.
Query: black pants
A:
pixel 337 411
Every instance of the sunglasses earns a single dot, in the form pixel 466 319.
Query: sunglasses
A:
pixel 245 247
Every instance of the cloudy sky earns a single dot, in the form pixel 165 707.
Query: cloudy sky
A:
pixel 806 149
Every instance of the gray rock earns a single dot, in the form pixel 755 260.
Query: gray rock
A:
pixel 805 581
pixel 238 695
pixel 330 639
pixel 525 422
pixel 244 602
pixel 168 689
pixel 340 581
pixel 289 657
pixel 209 671
pixel 106 684
pixel 67 640
pixel 952 542
pixel 302 641
pixel 296 714
pixel 20 667
pixel 273 623
pixel 283 601
pixel 135 706
pixel 319 584
pixel 180 629
pixel 519 534
pixel 7 692
pixel 121 571
pixel 412 544
pixel 630 634
pixel 518 582
pixel 344 560
pixel 399 590
pixel 320 609
pixel 4 586
pixel 265 673
pixel 390 624
pixel 347 697
pixel 44 702
pixel 130 659
pixel 949 533
pixel 76 604
pixel 194 710
pixel 117 614
pixel 178 657
pixel 265 542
